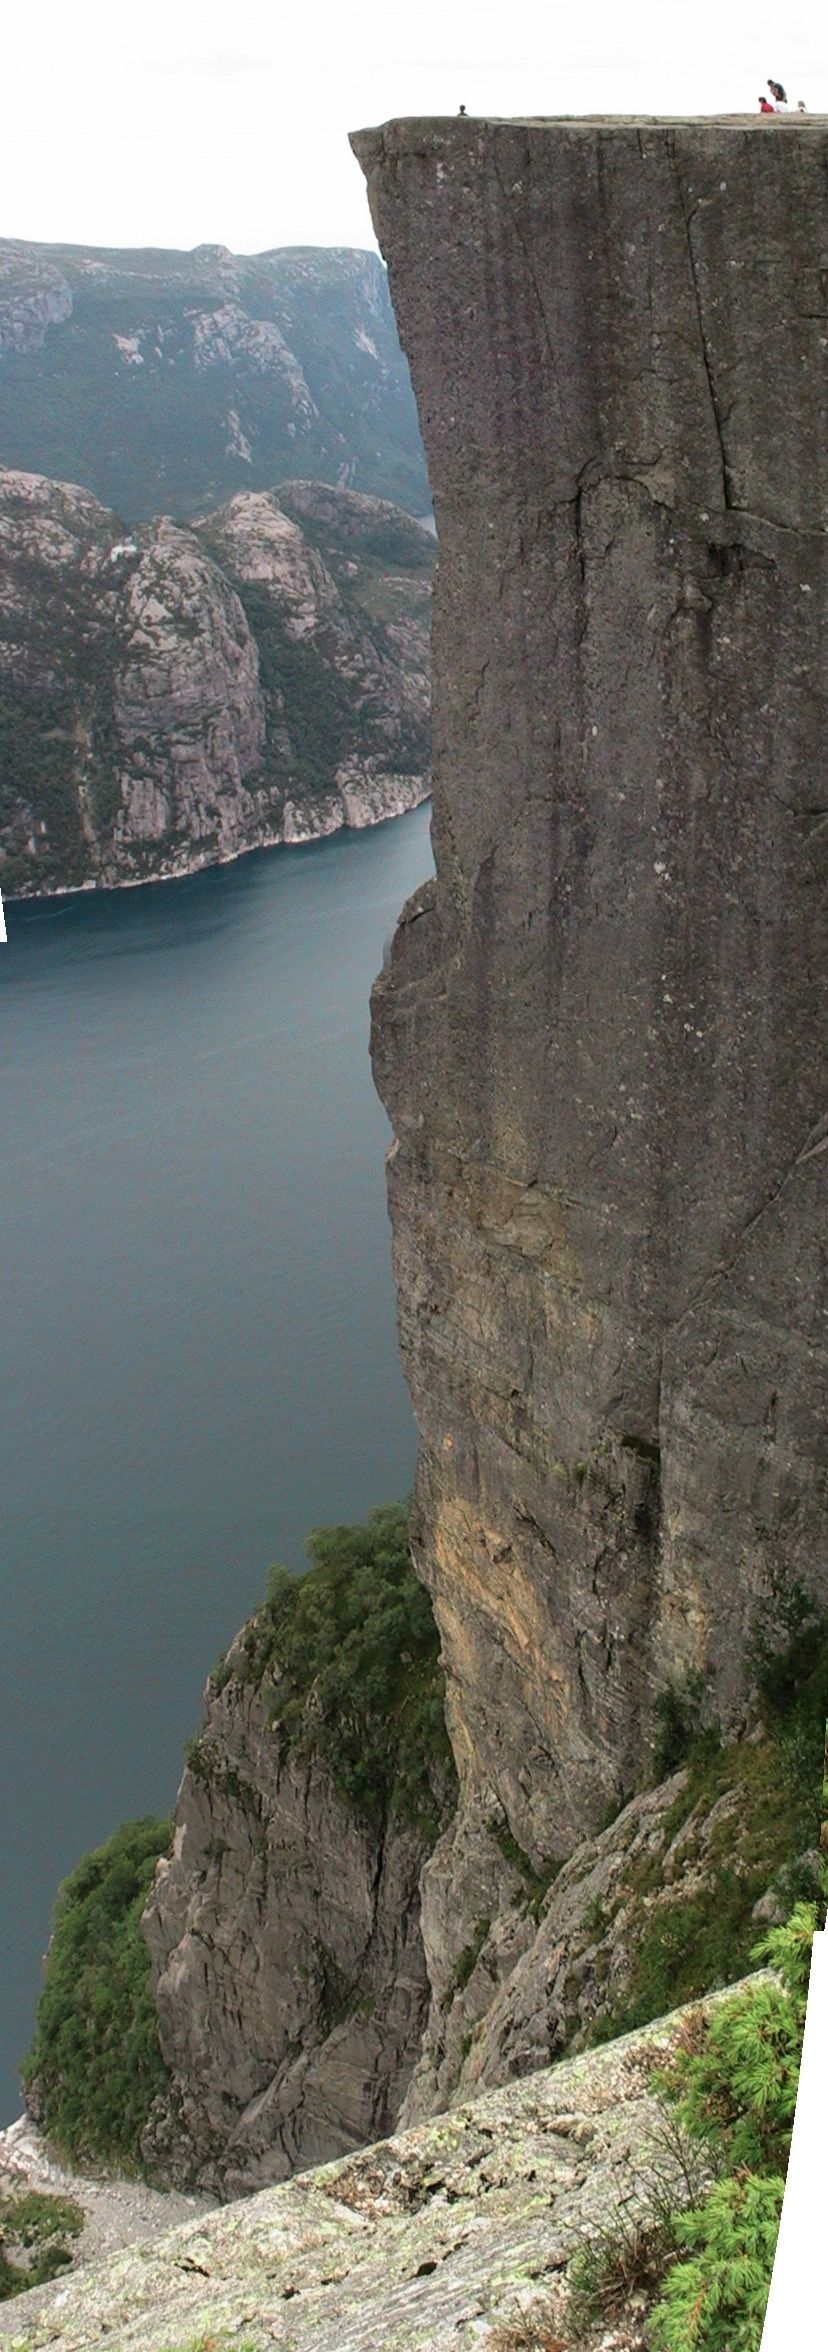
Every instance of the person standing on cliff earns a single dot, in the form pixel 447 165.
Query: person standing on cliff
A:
pixel 777 93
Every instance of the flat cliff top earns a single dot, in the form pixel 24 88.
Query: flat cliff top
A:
pixel 407 134
pixel 440 123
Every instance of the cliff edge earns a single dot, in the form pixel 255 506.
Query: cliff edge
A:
pixel 600 1036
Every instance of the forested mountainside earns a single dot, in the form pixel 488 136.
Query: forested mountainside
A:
pixel 165 381
pixel 172 696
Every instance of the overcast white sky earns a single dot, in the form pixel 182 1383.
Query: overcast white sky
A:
pixel 176 123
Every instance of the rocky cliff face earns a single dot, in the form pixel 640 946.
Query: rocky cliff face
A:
pixel 600 1039
pixel 169 697
pixel 284 1934
pixel 170 380
pixel 600 1036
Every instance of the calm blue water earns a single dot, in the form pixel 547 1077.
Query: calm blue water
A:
pixel 197 1345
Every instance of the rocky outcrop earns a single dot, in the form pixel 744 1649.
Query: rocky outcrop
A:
pixel 187 709
pixel 171 697
pixel 440 2237
pixel 170 380
pixel 670 1899
pixel 34 295
pixel 284 1934
pixel 599 1037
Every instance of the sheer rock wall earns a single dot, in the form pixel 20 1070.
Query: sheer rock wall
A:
pixel 289 1972
pixel 599 1036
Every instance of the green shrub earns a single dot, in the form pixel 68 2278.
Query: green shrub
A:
pixel 734 2086
pixel 714 2300
pixel 35 2233
pixel 683 1944
pixel 349 1659
pixel 95 2064
pixel 626 2259
pixel 677 1712
pixel 729 2095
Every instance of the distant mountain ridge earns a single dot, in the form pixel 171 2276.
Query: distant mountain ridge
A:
pixel 167 381
pixel 172 696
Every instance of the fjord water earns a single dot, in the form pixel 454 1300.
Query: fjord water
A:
pixel 197 1341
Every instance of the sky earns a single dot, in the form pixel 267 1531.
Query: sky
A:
pixel 181 122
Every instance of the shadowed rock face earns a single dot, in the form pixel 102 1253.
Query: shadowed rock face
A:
pixel 288 1965
pixel 599 1037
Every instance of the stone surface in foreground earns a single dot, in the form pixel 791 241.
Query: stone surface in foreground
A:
pixel 422 2240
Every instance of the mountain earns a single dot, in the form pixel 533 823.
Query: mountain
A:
pixel 172 696
pixel 168 381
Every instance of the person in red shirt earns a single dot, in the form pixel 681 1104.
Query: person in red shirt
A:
pixel 765 106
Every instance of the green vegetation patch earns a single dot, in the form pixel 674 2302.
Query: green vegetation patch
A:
pixel 36 2232
pixel 733 2085
pixel 691 1942
pixel 470 1955
pixel 347 1656
pixel 95 2065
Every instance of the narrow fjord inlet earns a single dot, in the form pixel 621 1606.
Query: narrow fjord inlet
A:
pixel 198 1350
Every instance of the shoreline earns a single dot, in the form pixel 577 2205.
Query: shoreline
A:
pixel 202 865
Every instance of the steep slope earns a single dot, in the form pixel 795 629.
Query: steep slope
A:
pixel 291 1980
pixel 170 380
pixel 437 2237
pixel 601 1036
pixel 284 1931
pixel 169 697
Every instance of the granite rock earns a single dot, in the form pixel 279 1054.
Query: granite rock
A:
pixel 289 1971
pixel 171 697
pixel 437 2237
pixel 600 1036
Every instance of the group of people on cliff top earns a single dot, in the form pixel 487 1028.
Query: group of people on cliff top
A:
pixel 778 100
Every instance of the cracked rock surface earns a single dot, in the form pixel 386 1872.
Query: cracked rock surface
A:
pixel 601 1034
pixel 289 1973
pixel 423 2240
